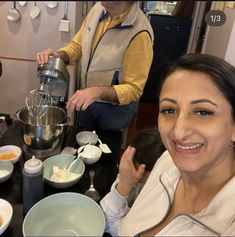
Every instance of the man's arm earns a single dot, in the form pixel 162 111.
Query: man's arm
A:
pixel 136 65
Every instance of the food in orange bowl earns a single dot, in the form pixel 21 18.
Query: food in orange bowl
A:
pixel 10 153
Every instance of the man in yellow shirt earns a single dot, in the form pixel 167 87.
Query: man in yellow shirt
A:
pixel 115 46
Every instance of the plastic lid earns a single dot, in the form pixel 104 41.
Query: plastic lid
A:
pixel 33 165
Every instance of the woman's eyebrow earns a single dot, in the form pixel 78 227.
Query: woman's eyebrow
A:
pixel 204 101
pixel 192 102
pixel 168 99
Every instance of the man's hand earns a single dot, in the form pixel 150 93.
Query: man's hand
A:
pixel 81 99
pixel 42 57
pixel 128 174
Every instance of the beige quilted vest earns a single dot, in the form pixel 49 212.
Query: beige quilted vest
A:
pixel 100 68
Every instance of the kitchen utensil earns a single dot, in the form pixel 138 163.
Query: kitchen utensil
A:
pixel 80 149
pixel 34 11
pixel 75 160
pixel 64 214
pixel 45 133
pixel 22 3
pixel 51 4
pixel 104 147
pixel 92 192
pixel 13 14
pixel 37 103
pixel 64 22
pixel 55 78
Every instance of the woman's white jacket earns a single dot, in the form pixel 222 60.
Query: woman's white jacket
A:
pixel 153 204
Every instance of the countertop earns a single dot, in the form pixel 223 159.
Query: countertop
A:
pixel 105 172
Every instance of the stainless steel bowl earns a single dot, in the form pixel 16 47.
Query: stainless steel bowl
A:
pixel 46 132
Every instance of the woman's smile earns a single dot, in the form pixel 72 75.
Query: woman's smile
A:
pixel 189 148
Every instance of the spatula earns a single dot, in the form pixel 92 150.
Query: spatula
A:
pixel 79 153
pixel 104 147
pixel 64 22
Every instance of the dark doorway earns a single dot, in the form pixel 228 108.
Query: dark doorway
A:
pixel 178 31
pixel 171 36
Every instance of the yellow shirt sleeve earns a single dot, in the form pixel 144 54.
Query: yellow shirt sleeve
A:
pixel 136 64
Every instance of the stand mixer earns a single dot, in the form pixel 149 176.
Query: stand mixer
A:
pixel 54 78
pixel 44 137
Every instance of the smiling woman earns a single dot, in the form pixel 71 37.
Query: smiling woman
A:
pixel 195 126
pixel 190 181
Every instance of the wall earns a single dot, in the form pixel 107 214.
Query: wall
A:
pixel 217 37
pixel 22 40
pixel 230 54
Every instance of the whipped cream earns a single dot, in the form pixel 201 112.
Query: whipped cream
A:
pixel 62 175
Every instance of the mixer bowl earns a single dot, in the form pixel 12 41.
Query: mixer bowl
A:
pixel 46 132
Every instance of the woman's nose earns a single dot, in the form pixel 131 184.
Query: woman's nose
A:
pixel 183 127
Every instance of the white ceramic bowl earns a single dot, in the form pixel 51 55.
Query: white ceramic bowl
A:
pixel 64 214
pixel 6 212
pixel 90 154
pixel 6 170
pixel 86 137
pixel 8 151
pixel 62 161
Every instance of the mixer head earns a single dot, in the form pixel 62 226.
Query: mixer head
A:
pixel 54 77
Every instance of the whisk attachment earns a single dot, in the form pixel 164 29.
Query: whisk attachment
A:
pixel 37 103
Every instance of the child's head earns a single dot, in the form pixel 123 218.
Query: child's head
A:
pixel 149 148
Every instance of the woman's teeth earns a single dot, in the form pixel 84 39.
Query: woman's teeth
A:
pixel 189 147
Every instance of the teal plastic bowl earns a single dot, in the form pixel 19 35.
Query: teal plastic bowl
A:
pixel 64 214
pixel 62 161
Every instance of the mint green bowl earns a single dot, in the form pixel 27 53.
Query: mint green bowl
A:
pixel 64 214
pixel 62 161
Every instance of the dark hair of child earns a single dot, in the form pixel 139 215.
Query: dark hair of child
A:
pixel 149 147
